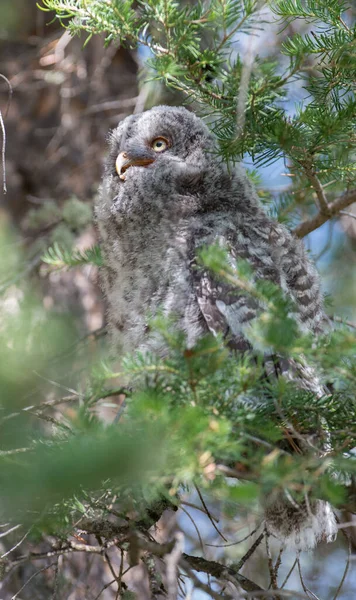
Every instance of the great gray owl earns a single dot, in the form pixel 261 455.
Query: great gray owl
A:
pixel 165 195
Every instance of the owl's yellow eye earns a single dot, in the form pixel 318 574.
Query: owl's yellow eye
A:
pixel 160 144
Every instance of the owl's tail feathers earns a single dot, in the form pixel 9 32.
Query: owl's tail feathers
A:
pixel 300 526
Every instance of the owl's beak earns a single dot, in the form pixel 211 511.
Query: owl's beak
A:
pixel 123 162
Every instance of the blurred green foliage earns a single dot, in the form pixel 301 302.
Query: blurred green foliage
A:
pixel 14 16
pixel 186 413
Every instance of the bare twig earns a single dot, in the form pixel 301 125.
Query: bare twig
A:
pixel 18 544
pixel 32 577
pixel 31 266
pixel 51 420
pixel 306 590
pixel 68 548
pixel 195 527
pixel 249 552
pixel 111 105
pixel 9 530
pixel 9 93
pixel 58 385
pixel 172 561
pixel 348 214
pixel 272 571
pixel 192 505
pixel 235 543
pixel 208 514
pixel 39 407
pixel 3 132
pixel 348 537
pixel 3 153
pixel 289 573
pixel 106 586
pixel 107 558
pixel 334 208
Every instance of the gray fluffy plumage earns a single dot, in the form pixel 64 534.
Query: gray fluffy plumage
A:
pixel 151 226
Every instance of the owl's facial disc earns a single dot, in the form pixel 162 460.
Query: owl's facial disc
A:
pixel 123 162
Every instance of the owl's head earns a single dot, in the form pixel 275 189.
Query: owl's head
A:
pixel 166 160
pixel 162 136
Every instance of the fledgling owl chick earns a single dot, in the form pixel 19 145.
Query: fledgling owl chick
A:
pixel 165 195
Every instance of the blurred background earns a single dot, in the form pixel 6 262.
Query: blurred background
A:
pixel 65 99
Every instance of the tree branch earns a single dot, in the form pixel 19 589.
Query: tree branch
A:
pixel 333 208
pixel 219 571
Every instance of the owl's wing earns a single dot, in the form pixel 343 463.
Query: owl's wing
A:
pixel 226 309
pixel 301 278
pixel 229 310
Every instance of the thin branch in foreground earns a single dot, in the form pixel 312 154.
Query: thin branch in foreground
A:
pixel 172 561
pixel 3 132
pixel 112 570
pixel 238 541
pixel 3 153
pixel 208 514
pixel 195 527
pixel 32 577
pixel 5 533
pixel 319 219
pixel 106 586
pixel 192 505
pixel 219 571
pixel 249 552
pixel 9 93
pixel 306 590
pixel 349 549
pixel 17 544
pixel 289 573
pixel 346 213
